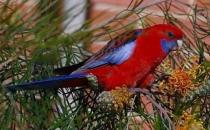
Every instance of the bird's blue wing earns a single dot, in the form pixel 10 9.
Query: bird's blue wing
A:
pixel 117 56
pixel 116 52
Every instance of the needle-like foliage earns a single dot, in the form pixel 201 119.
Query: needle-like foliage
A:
pixel 33 44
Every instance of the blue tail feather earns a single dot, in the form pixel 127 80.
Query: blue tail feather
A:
pixel 52 83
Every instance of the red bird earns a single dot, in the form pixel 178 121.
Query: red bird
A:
pixel 129 60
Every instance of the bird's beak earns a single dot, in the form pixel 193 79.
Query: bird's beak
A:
pixel 179 43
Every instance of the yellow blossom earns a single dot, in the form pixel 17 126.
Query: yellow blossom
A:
pixel 188 122
pixel 121 97
pixel 180 82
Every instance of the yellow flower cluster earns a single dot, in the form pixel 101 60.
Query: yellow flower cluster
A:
pixel 188 122
pixel 121 97
pixel 180 81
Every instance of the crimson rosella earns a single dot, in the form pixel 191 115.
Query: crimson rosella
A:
pixel 127 60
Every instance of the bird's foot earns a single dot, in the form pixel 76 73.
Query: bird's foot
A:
pixel 93 81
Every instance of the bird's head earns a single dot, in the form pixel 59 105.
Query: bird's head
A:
pixel 169 36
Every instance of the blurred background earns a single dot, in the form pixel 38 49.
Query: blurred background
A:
pixel 100 11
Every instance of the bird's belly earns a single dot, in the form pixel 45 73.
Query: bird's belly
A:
pixel 111 77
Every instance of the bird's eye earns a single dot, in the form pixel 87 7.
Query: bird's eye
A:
pixel 170 34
